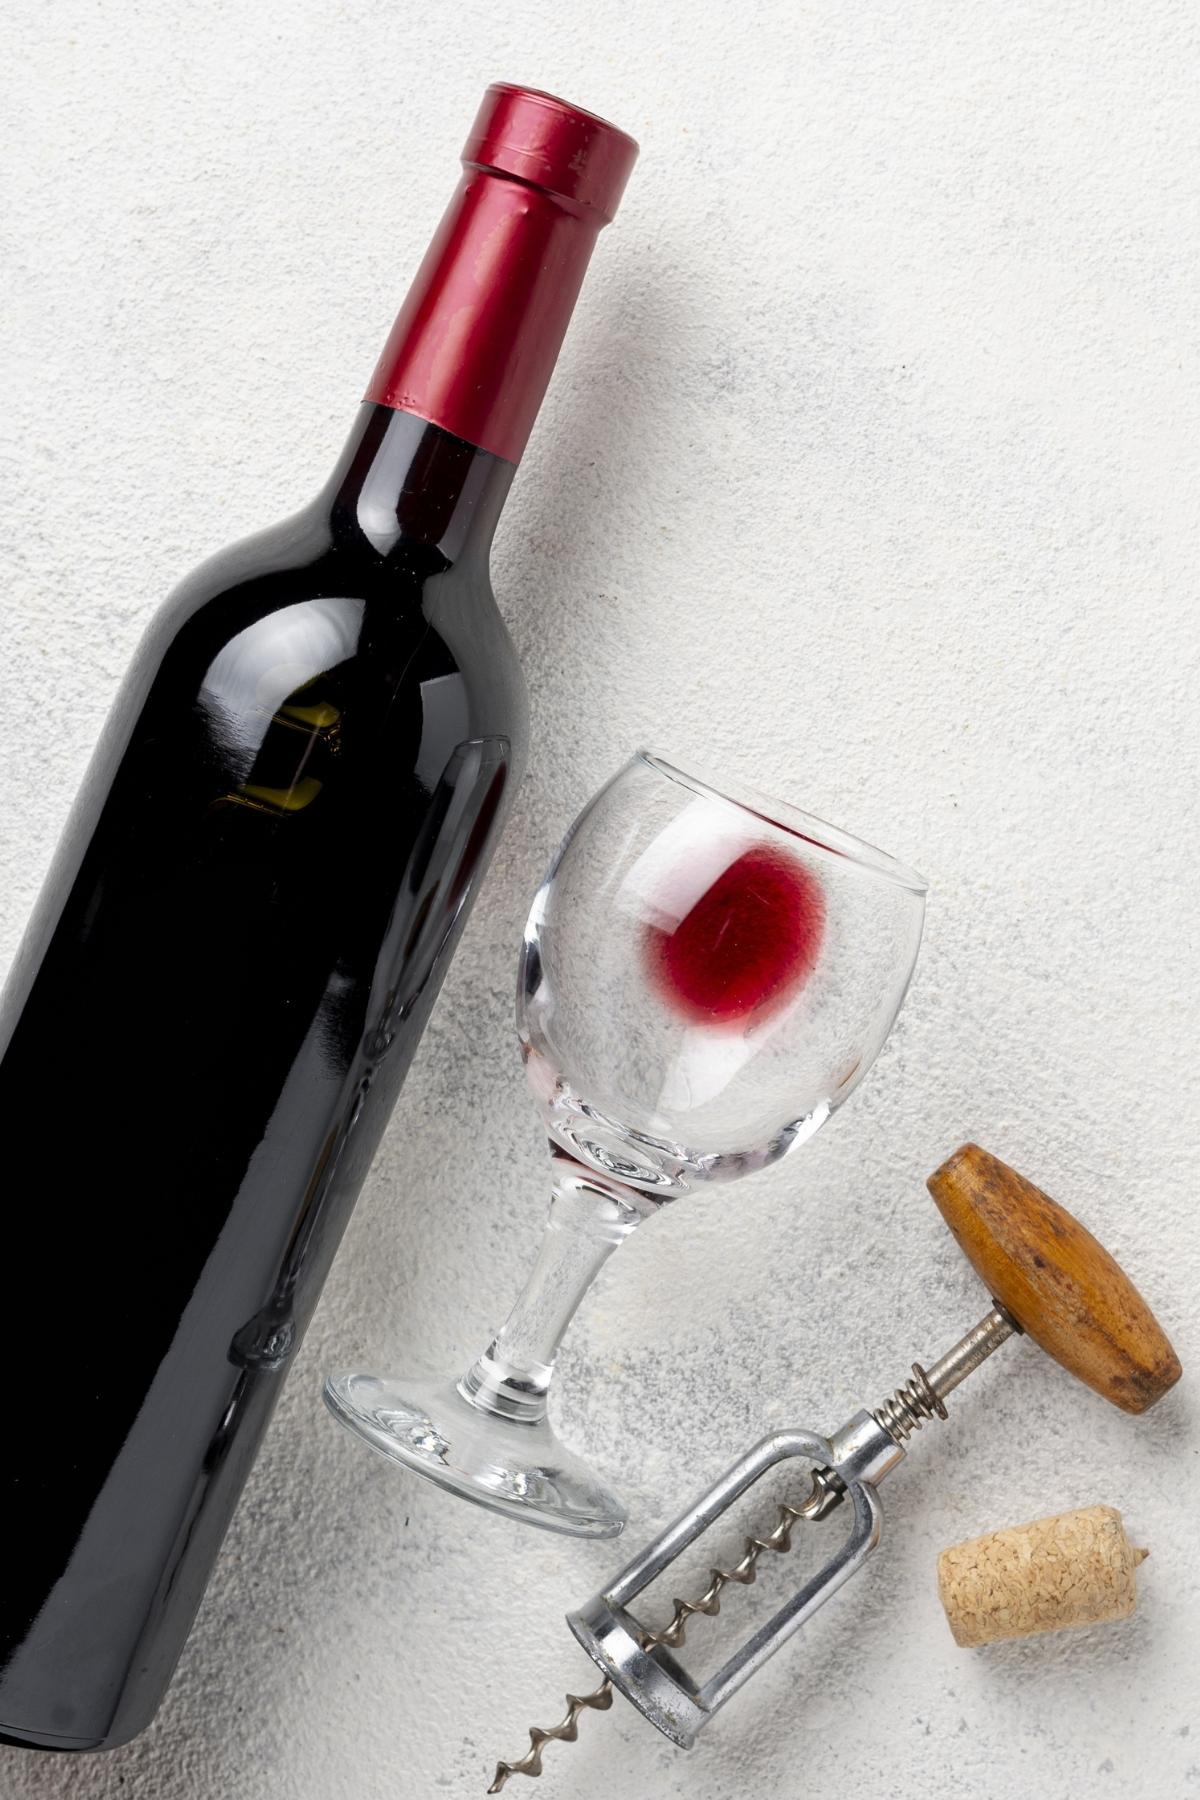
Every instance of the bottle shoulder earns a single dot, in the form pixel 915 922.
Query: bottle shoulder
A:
pixel 297 576
pixel 290 621
pixel 292 561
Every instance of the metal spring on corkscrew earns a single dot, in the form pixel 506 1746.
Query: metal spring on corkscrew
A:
pixel 825 1491
pixel 910 1407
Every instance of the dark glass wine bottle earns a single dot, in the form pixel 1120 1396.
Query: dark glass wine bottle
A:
pixel 239 943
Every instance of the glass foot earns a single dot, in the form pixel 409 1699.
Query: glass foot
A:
pixel 514 1466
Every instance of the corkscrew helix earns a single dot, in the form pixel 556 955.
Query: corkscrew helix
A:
pixel 1049 1279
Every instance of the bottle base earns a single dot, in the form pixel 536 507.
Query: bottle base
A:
pixel 48 1741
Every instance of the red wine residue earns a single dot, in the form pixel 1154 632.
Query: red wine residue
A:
pixel 746 947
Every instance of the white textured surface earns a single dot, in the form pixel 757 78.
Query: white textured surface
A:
pixel 870 474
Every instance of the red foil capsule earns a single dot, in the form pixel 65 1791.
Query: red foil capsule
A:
pixel 476 340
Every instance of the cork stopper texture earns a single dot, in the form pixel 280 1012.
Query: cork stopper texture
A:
pixel 1076 1568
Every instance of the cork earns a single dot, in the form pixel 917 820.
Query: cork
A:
pixel 1076 1568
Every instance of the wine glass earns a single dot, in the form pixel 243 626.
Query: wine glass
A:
pixel 706 975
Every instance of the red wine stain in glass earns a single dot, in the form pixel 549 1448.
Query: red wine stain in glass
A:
pixel 746 947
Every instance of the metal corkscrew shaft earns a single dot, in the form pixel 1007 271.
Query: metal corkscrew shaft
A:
pixel 924 1396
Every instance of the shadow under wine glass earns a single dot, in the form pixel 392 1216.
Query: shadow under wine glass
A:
pixel 706 976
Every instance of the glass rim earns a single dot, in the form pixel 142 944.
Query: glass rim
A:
pixel 818 833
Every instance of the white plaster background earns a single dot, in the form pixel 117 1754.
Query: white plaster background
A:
pixel 869 474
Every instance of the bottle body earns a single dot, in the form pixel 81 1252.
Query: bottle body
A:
pixel 233 958
pixel 206 1028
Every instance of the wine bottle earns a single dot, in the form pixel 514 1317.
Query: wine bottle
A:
pixel 247 922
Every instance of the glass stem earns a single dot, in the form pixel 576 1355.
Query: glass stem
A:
pixel 590 1216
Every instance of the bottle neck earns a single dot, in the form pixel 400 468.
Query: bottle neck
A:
pixel 401 481
pixel 477 338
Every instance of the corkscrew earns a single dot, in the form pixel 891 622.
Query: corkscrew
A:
pixel 1049 1280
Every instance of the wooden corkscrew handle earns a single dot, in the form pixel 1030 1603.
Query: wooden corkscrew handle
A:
pixel 1061 1286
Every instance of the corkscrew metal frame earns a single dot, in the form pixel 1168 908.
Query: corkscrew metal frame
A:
pixel 1049 1278
pixel 847 1469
